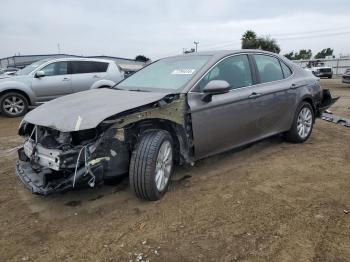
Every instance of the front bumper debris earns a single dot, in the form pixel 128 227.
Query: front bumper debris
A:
pixel 35 181
pixel 336 119
pixel 327 101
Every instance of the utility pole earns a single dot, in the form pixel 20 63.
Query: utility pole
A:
pixel 58 48
pixel 196 43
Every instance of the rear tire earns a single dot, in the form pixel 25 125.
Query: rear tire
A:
pixel 329 77
pixel 13 104
pixel 302 124
pixel 151 165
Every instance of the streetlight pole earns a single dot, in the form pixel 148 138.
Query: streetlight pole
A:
pixel 196 43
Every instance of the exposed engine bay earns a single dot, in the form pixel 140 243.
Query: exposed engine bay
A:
pixel 55 161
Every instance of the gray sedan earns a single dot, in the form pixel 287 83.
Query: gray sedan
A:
pixel 175 111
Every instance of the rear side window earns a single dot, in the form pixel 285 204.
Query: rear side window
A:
pixel 83 67
pixel 286 70
pixel 269 68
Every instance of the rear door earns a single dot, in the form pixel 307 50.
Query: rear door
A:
pixel 230 119
pixel 55 83
pixel 276 95
pixel 86 73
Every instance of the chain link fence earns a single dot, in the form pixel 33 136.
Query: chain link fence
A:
pixel 338 64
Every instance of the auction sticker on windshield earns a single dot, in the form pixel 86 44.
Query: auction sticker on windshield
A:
pixel 184 71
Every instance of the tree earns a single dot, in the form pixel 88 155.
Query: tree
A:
pixel 302 54
pixel 142 58
pixel 325 52
pixel 268 44
pixel 290 55
pixel 251 41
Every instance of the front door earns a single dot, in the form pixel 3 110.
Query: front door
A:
pixel 55 83
pixel 228 120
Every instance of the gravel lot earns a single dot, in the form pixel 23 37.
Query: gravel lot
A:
pixel 272 201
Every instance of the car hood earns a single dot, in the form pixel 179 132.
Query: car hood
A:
pixel 3 76
pixel 85 110
pixel 21 78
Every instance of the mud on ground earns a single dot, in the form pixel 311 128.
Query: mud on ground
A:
pixel 273 201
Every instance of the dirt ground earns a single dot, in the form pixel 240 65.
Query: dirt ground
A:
pixel 273 201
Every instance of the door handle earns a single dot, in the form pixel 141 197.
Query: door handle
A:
pixel 96 76
pixel 294 86
pixel 254 95
pixel 66 79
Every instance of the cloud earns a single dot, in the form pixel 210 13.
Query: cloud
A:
pixel 157 27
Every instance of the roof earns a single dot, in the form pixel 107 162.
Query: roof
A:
pixel 224 52
pixel 77 59
pixel 67 55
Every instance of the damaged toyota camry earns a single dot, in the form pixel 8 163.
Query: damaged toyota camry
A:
pixel 175 111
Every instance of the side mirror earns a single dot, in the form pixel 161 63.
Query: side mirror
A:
pixel 39 74
pixel 215 87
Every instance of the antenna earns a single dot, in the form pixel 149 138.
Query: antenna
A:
pixel 196 43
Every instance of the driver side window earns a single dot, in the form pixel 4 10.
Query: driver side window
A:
pixel 235 70
pixel 58 68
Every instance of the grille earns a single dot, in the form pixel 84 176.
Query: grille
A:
pixel 325 70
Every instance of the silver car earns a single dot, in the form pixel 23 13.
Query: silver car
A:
pixel 346 76
pixel 48 79
pixel 174 111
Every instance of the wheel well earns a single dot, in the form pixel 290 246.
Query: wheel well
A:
pixel 311 102
pixel 16 91
pixel 135 130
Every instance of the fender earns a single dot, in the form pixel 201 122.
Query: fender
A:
pixel 11 85
pixel 103 82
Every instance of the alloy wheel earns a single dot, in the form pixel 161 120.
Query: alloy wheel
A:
pixel 304 123
pixel 13 105
pixel 163 165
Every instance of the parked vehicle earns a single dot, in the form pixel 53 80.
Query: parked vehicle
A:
pixel 346 76
pixel 48 79
pixel 174 111
pixel 319 69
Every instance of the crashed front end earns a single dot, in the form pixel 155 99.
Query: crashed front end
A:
pixel 53 161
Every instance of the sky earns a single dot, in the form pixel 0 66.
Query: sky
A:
pixel 159 28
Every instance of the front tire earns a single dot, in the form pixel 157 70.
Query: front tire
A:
pixel 151 165
pixel 302 124
pixel 13 104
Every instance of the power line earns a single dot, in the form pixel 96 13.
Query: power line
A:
pixel 313 36
pixel 311 32
pixel 294 36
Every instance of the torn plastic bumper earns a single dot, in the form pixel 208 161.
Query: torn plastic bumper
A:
pixel 326 102
pixel 336 119
pixel 44 180
pixel 36 181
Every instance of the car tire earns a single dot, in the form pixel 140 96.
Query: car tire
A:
pixel 330 77
pixel 151 165
pixel 302 124
pixel 13 104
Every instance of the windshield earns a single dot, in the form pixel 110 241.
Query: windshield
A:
pixel 169 74
pixel 30 68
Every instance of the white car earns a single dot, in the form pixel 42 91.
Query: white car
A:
pixel 319 69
